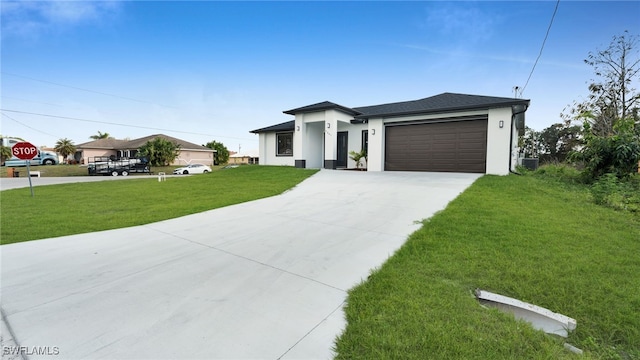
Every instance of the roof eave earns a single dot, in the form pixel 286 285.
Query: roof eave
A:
pixel 322 108
pixel 443 110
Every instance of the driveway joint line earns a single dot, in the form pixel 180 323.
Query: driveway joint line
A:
pixel 312 329
pixel 14 340
pixel 250 259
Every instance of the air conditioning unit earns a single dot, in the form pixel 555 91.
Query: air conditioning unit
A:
pixel 530 163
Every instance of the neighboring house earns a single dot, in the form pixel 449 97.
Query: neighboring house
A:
pixel 250 157
pixel 189 152
pixel 443 133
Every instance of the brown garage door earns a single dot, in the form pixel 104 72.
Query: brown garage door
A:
pixel 458 146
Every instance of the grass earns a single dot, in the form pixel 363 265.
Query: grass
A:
pixel 536 239
pixel 533 239
pixel 68 209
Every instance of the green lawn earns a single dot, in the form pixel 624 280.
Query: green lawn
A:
pixel 59 210
pixel 532 239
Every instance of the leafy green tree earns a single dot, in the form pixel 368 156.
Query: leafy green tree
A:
pixel 222 153
pixel 159 151
pixel 617 154
pixel 558 141
pixel 100 135
pixel 65 147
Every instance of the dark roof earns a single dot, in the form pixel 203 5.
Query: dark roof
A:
pixel 116 144
pixel 325 105
pixel 445 102
pixel 285 126
pixel 442 103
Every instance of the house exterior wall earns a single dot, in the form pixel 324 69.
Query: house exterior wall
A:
pixel 375 161
pixel 268 151
pixel 335 121
pixel 314 145
pixel 315 139
pixel 354 140
pixel 499 141
pixel 90 153
pixel 186 157
pixel 308 143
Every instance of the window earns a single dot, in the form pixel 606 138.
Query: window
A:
pixel 284 144
pixel 365 140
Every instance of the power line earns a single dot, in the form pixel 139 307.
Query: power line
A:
pixel 86 90
pixel 542 47
pixel 119 124
pixel 27 126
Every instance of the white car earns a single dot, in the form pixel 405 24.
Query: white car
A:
pixel 192 169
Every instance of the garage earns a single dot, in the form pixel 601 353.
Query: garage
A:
pixel 438 145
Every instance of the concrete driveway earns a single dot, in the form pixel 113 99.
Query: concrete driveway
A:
pixel 260 280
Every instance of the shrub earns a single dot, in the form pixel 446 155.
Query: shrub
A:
pixel 560 171
pixel 616 193
pixel 617 153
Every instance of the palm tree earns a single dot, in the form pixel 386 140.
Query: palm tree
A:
pixel 65 148
pixel 100 135
pixel 5 153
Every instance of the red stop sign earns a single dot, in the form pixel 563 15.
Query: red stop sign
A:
pixel 24 150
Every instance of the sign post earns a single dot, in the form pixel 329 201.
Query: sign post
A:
pixel 25 151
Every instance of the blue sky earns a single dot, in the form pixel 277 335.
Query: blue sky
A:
pixel 209 70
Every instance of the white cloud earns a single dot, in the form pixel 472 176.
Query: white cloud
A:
pixel 461 20
pixel 32 18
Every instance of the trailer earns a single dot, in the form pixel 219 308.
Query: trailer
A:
pixel 112 166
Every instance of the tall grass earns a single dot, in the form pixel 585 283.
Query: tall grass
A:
pixel 536 240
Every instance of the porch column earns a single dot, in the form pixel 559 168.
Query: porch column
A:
pixel 299 130
pixel 330 140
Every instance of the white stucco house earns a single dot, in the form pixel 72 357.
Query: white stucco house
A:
pixel 443 133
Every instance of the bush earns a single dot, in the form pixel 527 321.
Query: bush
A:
pixel 560 171
pixel 616 193
pixel 617 153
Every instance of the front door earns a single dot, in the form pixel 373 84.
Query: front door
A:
pixel 343 139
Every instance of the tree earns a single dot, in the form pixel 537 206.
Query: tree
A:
pixel 221 155
pixel 611 127
pixel 5 151
pixel 611 95
pixel 100 135
pixel 65 147
pixel 613 154
pixel 159 151
pixel 529 143
pixel 558 141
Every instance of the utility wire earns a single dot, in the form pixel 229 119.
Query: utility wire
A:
pixel 87 90
pixel 27 126
pixel 542 47
pixel 118 124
